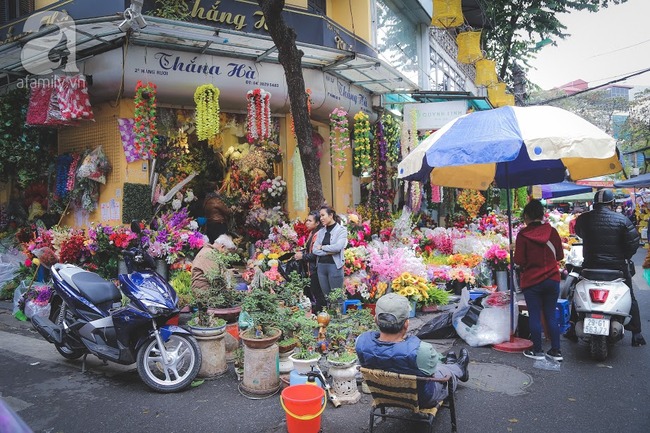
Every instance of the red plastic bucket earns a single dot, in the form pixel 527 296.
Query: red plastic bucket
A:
pixel 303 405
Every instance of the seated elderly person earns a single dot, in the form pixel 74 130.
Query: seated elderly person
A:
pixel 391 350
pixel 203 262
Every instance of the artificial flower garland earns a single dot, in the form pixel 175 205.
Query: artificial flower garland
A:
pixel 339 138
pixel 471 200
pixel 259 115
pixel 144 127
pixel 206 98
pixel 293 127
pixel 362 161
pixel 381 195
pixel 392 133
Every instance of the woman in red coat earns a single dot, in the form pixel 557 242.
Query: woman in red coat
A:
pixel 537 251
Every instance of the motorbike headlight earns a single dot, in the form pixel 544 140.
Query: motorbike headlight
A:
pixel 154 308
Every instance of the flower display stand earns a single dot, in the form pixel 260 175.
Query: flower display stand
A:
pixel 213 351
pixel 261 357
pixel 344 381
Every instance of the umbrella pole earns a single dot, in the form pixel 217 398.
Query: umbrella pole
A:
pixel 516 344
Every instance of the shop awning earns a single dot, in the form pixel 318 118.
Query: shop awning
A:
pixel 96 35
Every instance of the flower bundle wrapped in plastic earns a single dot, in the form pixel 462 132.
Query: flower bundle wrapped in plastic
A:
pixel 467 260
pixel 438 274
pixel 497 257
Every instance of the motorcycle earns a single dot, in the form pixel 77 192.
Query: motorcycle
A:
pixel 88 317
pixel 601 301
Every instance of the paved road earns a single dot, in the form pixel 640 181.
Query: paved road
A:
pixel 505 393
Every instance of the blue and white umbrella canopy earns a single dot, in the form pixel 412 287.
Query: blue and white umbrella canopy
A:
pixel 514 147
pixel 562 189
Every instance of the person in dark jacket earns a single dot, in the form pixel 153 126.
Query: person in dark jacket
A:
pixel 609 240
pixel 316 294
pixel 217 214
pixel 391 350
pixel 537 250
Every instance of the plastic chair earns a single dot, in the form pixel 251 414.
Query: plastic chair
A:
pixel 397 390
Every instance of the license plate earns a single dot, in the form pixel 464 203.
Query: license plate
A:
pixel 596 326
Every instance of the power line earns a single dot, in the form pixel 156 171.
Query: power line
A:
pixel 620 49
pixel 559 98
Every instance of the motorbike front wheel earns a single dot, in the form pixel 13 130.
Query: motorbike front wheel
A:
pixel 182 366
pixel 598 347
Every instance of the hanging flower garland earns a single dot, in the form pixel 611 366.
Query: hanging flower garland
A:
pixel 362 161
pixel 144 127
pixel 392 133
pixel 471 201
pixel 381 195
pixel 293 127
pixel 259 115
pixel 206 119
pixel 339 138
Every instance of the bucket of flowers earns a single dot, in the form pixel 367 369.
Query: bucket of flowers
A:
pixel 498 260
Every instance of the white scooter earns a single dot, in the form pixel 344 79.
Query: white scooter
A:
pixel 601 300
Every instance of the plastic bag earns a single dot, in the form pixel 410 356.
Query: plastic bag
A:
pixel 94 166
pixel 439 327
pixel 18 294
pixel 33 309
pixel 547 364
pixel 492 326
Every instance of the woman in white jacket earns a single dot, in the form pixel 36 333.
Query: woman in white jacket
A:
pixel 331 241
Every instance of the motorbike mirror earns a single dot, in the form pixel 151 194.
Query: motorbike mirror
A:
pixel 135 227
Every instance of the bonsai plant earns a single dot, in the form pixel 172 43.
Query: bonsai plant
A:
pixel 306 335
pixel 261 304
pixel 343 332
pixel 219 293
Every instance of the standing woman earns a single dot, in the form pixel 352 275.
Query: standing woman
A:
pixel 537 251
pixel 309 258
pixel 329 246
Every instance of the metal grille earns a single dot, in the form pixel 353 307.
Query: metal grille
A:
pixel 103 131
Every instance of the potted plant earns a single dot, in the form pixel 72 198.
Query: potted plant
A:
pixel 181 281
pixel 262 309
pixel 238 361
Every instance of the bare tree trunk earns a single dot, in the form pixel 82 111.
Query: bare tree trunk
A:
pixel 290 58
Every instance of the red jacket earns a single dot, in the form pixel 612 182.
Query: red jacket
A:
pixel 535 256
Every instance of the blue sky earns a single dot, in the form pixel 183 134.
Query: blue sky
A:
pixel 603 46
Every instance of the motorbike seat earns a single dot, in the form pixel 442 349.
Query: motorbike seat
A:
pixel 94 288
pixel 601 274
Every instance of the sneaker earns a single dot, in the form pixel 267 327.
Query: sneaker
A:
pixel 555 355
pixel 533 355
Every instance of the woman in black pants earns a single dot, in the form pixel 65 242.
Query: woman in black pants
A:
pixel 309 262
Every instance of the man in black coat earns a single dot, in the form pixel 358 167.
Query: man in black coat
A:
pixel 609 242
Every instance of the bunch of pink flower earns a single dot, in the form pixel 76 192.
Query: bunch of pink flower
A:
pixel 442 242
pixel 497 258
pixel 438 274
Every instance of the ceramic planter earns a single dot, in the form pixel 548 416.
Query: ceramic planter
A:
pixel 344 381
pixel 213 351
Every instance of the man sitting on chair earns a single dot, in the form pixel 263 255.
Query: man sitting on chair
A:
pixel 391 350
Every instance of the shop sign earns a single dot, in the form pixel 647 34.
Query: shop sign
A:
pixel 177 74
pixel 434 115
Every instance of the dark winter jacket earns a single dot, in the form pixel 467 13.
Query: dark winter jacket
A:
pixel 398 357
pixel 533 253
pixel 608 237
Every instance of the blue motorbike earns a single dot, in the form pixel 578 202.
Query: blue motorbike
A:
pixel 88 316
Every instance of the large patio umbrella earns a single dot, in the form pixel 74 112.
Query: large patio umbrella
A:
pixel 642 181
pixel 513 147
pixel 562 189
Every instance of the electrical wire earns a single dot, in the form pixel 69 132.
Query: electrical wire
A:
pixel 559 98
